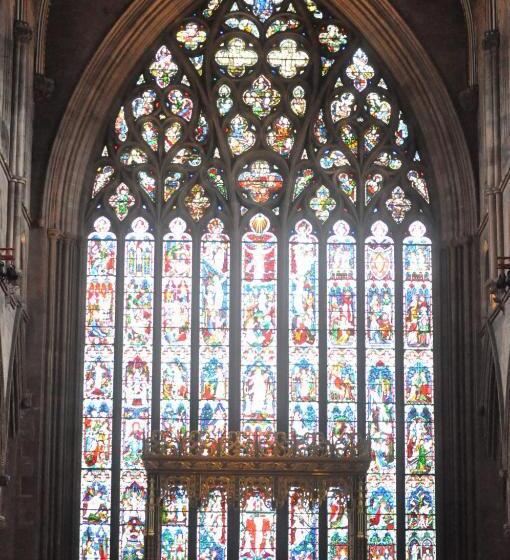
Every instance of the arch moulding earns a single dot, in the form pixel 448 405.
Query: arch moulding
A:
pixel 420 85
pixel 75 147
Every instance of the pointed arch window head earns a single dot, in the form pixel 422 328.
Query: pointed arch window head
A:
pixel 259 257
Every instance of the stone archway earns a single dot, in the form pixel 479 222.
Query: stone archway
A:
pixel 57 250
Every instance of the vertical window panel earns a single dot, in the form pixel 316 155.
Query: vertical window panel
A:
pixel 342 330
pixel 258 527
pixel 214 371
pixel 214 330
pixel 341 368
pixel 338 525
pixel 95 492
pixel 136 384
pixel 419 396
pixel 303 333
pixel 212 527
pixel 175 372
pixel 258 327
pixel 174 526
pixel 303 527
pixel 380 392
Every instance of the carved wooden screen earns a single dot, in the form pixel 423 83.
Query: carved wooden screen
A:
pixel 259 257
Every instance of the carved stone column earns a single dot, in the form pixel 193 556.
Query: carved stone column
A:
pixel 458 358
pixel 492 144
pixel 19 147
pixel 59 411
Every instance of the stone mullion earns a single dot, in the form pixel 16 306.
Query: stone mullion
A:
pixel 282 368
pixel 234 384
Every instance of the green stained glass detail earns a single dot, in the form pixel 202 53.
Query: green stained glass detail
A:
pixel 261 97
pixel 304 179
pixel 180 103
pixel 349 138
pixel 322 204
pixel 216 177
pixel 163 68
pixel 122 201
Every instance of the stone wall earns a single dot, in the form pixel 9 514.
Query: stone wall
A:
pixel 16 103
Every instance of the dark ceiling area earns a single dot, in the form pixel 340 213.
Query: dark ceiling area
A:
pixel 76 29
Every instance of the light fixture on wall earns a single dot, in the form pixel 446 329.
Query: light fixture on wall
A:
pixel 501 287
pixel 8 270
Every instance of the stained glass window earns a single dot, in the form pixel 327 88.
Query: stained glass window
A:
pixel 259 258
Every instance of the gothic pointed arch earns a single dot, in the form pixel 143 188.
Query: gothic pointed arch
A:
pixel 260 214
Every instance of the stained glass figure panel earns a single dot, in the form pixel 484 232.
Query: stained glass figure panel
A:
pixel 303 528
pixel 258 527
pixel 303 330
pixel 258 327
pixel 380 391
pixel 419 394
pixel 96 475
pixel 136 384
pixel 342 334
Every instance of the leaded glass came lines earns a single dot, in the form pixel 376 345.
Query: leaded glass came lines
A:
pixel 259 257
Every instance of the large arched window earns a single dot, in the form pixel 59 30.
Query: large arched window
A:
pixel 259 257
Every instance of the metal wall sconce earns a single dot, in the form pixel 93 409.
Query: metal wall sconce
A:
pixel 501 287
pixel 8 270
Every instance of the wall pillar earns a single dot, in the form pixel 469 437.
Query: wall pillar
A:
pixel 457 366
pixel 58 426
